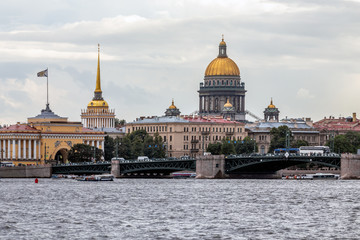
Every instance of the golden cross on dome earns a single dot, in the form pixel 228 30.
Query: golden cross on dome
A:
pixel 222 37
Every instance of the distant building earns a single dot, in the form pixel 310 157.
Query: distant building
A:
pixel 222 84
pixel 331 127
pixel 97 116
pixel 301 129
pixel 45 138
pixel 188 135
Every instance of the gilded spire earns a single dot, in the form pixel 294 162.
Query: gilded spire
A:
pixel 98 83
pixel 172 105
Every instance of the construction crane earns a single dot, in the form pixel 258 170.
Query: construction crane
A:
pixel 252 115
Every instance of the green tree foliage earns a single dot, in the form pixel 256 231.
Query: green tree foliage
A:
pixel 227 147
pixel 84 153
pixel 119 123
pixel 109 148
pixel 246 146
pixel 140 143
pixel 348 143
pixel 298 143
pixel 214 148
pixel 278 137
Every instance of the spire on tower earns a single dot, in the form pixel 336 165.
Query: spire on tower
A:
pixel 98 83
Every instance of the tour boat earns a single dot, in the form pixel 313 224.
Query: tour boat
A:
pixel 93 178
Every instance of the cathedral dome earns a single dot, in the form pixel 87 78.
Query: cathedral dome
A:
pixel 98 103
pixel 271 104
pixel 222 65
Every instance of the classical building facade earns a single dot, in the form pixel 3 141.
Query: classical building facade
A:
pixel 222 83
pixel 97 114
pixel 301 128
pixel 46 137
pixel 189 135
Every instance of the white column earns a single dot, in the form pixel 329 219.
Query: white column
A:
pixel 13 147
pixel 9 148
pixel 97 144
pixel 19 149
pixel 35 156
pixel 102 146
pixel 93 143
pixel 24 149
pixel 30 149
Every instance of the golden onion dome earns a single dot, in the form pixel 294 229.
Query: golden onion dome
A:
pixel 271 104
pixel 228 104
pixel 172 106
pixel 98 103
pixel 222 66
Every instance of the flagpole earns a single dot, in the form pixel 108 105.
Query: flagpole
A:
pixel 47 87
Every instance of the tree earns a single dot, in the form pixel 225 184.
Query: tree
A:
pixel 246 146
pixel 109 148
pixel 278 137
pixel 348 143
pixel 84 153
pixel 214 148
pixel 298 143
pixel 119 123
pixel 227 148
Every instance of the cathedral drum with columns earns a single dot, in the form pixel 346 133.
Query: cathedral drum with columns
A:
pixel 222 84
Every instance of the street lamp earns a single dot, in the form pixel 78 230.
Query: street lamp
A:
pixel 45 152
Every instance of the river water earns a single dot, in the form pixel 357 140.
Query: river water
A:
pixel 179 209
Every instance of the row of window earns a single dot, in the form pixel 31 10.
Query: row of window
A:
pixel 150 129
pixel 222 83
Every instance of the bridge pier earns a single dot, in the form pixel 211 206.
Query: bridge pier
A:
pixel 350 166
pixel 115 168
pixel 210 167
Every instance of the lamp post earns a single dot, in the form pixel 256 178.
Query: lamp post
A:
pixel 1 152
pixel 287 140
pixel 45 152
pixel 94 154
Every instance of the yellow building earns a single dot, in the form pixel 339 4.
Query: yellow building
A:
pixel 98 115
pixel 45 138
pixel 188 135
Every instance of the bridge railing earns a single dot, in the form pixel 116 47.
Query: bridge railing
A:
pixel 252 155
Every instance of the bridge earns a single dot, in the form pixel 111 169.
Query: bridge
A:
pixel 235 164
pixel 271 163
pixel 128 167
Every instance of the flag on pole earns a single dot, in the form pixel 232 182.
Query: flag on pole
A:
pixel 43 73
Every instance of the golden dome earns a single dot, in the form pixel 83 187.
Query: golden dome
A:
pixel 172 106
pixel 228 104
pixel 222 66
pixel 271 104
pixel 98 103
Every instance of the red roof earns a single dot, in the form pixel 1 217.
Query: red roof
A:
pixel 19 127
pixel 340 124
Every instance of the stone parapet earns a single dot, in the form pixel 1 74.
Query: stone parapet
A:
pixel 37 171
pixel 210 167
pixel 350 166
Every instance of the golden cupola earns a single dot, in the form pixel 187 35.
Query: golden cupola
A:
pixel 271 104
pixel 228 104
pixel 172 106
pixel 222 65
pixel 98 100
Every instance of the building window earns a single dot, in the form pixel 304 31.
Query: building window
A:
pixel 164 138
pixel 170 147
pixel 170 129
pixel 170 138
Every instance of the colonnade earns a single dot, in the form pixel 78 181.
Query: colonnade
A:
pixel 98 122
pixel 26 149
pixel 215 104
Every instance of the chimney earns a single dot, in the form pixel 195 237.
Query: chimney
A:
pixel 354 117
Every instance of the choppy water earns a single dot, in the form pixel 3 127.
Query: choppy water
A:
pixel 179 209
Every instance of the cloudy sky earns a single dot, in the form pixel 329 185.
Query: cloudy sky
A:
pixel 303 54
